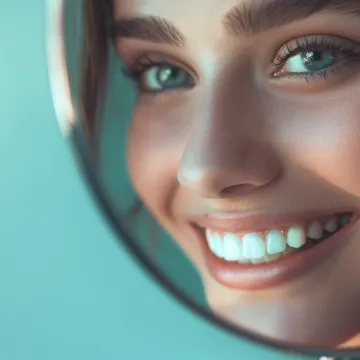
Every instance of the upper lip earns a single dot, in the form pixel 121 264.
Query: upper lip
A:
pixel 231 222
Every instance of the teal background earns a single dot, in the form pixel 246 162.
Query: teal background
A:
pixel 67 290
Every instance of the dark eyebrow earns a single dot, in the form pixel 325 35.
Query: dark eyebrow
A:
pixel 247 19
pixel 148 28
pixel 252 18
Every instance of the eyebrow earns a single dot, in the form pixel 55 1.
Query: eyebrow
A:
pixel 148 28
pixel 247 19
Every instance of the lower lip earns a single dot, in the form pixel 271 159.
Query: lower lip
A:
pixel 262 276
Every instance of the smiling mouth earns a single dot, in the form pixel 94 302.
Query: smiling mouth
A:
pixel 270 245
pixel 255 260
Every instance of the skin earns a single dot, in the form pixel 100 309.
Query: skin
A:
pixel 240 140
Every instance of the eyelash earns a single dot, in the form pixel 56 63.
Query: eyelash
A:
pixel 141 67
pixel 348 50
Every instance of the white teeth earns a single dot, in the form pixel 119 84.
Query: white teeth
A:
pixel 315 231
pixel 296 237
pixel 211 240
pixel 215 243
pixel 219 249
pixel 332 225
pixel 253 246
pixel 344 219
pixel 275 242
pixel 232 248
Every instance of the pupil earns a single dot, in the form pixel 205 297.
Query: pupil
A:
pixel 317 60
pixel 169 76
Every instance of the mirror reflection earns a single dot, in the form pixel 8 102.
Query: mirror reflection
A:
pixel 229 141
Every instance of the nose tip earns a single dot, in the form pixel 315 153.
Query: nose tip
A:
pixel 210 175
pixel 216 184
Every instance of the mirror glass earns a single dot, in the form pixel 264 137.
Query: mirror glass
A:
pixel 226 144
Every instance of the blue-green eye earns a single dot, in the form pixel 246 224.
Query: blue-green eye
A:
pixel 314 57
pixel 309 61
pixel 162 77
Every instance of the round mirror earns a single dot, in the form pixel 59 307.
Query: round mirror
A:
pixel 222 141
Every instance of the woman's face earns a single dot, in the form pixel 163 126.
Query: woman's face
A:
pixel 245 145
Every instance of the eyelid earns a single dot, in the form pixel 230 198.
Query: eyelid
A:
pixel 159 58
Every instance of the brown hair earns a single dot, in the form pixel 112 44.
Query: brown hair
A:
pixel 94 58
pixel 96 16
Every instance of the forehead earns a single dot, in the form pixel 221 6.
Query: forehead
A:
pixel 175 10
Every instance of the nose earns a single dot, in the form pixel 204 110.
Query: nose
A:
pixel 228 154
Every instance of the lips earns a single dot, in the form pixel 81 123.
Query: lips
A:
pixel 258 252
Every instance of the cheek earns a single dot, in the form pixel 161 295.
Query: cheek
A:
pixel 328 144
pixel 146 163
pixel 155 143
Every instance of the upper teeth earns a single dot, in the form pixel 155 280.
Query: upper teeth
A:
pixel 271 244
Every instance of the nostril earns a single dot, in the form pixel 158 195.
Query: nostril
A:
pixel 238 190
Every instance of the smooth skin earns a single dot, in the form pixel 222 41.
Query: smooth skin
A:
pixel 218 127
